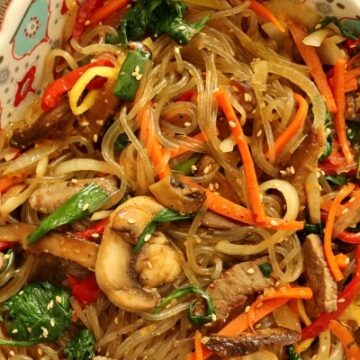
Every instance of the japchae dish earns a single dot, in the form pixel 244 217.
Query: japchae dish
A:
pixel 186 187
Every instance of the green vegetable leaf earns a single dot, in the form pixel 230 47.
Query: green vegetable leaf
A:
pixel 158 17
pixel 186 167
pixel 338 180
pixel 38 313
pixel 329 140
pixel 112 39
pixel 350 28
pixel 187 290
pixel 82 347
pixel 79 206
pixel 292 354
pixel 266 269
pixel 311 229
pixel 165 215
pixel 353 132
pixel 130 74
pixel 121 142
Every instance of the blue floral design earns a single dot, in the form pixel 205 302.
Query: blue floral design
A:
pixel 32 29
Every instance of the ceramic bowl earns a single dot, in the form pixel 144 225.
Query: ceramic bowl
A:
pixel 30 28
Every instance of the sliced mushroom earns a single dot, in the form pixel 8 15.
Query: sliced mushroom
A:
pixel 115 273
pixel 177 196
pixel 134 215
pixel 157 263
pixel 65 246
pixel 249 342
pixel 213 221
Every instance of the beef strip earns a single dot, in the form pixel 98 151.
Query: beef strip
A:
pixel 249 342
pixel 49 196
pixel 353 106
pixel 233 287
pixel 319 278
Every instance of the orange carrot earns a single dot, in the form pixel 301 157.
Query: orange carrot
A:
pixel 7 182
pixel 181 150
pixel 264 12
pixel 339 94
pixel 153 146
pixel 330 257
pixel 293 128
pixel 352 74
pixel 231 210
pixel 313 62
pixel 198 346
pixel 351 83
pixel 241 323
pixel 223 100
pixel 342 261
pixel 108 9
pixel 352 350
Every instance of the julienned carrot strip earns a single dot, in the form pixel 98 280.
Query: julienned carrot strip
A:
pixel 223 100
pixel 264 12
pixel 296 124
pixel 342 261
pixel 351 83
pixel 340 124
pixel 7 182
pixel 198 346
pixel 330 257
pixel 181 150
pixel 313 62
pixel 241 323
pixel 108 9
pixel 231 210
pixel 352 350
pixel 152 144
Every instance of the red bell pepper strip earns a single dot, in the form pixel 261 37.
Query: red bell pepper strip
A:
pixel 83 15
pixel 53 92
pixel 187 96
pixel 85 291
pixel 347 296
pixel 349 237
pixel 97 228
pixel 4 245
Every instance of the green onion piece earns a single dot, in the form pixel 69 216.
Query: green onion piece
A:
pixel 292 354
pixel 187 290
pixel 121 142
pixel 130 74
pixel 186 167
pixel 337 179
pixel 20 343
pixel 150 228
pixel 9 261
pixel 266 269
pixel 79 206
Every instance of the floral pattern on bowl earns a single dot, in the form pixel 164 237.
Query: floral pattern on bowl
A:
pixel 30 28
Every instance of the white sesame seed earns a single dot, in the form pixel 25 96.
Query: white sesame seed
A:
pixel 207 169
pixel 216 186
pixel 95 137
pixel 182 27
pixel 85 123
pixel 247 97
pixel 147 237
pixel 341 300
pixel 211 187
pixel 75 181
pixel 86 206
pixel 213 317
pixel 177 50
pixel 250 271
pixel 193 168
pixel 58 299
pixel 259 133
pixel 149 265
pixel 12 353
pixel 247 309
pixel 116 320
pixel 283 172
pixel 134 74
pixel 52 322
pixel 138 77
pixel 100 122
pixel 87 23
pixel 7 257
pixel 14 331
pixel 131 221
pixel 274 222
pixel 351 200
pixel 95 235
pixel 29 329
pixel 45 332
pixel 345 211
pixel 40 352
pixel 232 124
pixel 50 305
pixel 187 124
pixel 137 69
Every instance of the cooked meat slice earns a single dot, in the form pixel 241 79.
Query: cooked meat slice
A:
pixel 49 196
pixel 245 94
pixel 55 124
pixel 249 342
pixel 305 161
pixel 353 106
pixel 233 287
pixel 213 221
pixel 319 278
pixel 157 263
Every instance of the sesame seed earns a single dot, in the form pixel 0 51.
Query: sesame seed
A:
pixel 147 237
pixel 100 122
pixel 207 169
pixel 52 322
pixel 182 27
pixel 193 168
pixel 85 123
pixel 75 181
pixel 216 186
pixel 50 305
pixel 318 26
pixel 137 69
pixel 213 317
pixel 149 265
pixel 134 74
pixel 274 222
pixel 187 124
pixel 7 257
pixel 177 50
pixel 259 133
pixel 138 77
pixel 341 300
pixel 45 332
pixel 250 271
pixel 40 352
pixel 87 23
pixel 247 97
pixel 283 172
pixel 12 353
pixel 95 235
pixel 345 211
pixel 58 299
pixel 131 221
pixel 247 309
pixel 211 187
pixel 95 138
pixel 232 124
pixel 14 331
pixel 351 200
pixel 86 206
pixel 29 329
pixel 116 320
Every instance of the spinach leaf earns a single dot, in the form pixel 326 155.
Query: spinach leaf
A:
pixel 157 17
pixel 311 229
pixel 82 347
pixel 350 28
pixel 329 140
pixel 38 313
pixel 292 354
pixel 266 269
pixel 121 142
pixel 337 179
pixel 186 167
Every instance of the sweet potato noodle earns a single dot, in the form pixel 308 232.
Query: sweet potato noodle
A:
pixel 185 187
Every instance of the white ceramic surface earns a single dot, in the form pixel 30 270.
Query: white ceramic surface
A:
pixel 30 28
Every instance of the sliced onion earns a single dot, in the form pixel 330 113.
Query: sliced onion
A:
pixel 100 215
pixel 285 317
pixel 330 52
pixel 75 165
pixel 317 37
pixel 227 145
